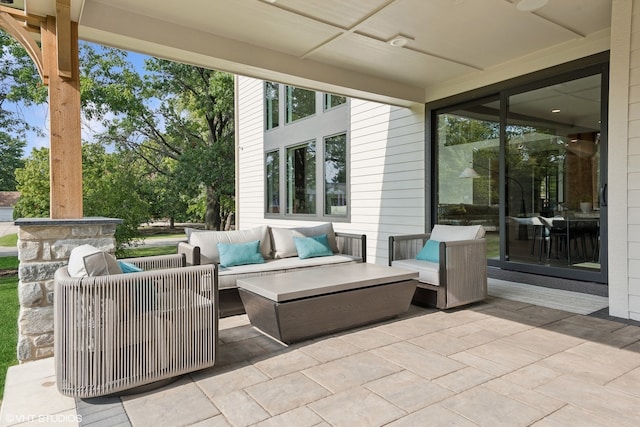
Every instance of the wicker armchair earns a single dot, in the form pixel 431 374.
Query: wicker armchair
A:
pixel 123 331
pixel 458 278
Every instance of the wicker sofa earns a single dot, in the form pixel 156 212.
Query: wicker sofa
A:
pixel 277 249
pixel 456 273
pixel 118 332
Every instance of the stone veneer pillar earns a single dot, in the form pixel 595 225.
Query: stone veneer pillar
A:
pixel 44 245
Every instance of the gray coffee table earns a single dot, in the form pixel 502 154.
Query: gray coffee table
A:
pixel 307 303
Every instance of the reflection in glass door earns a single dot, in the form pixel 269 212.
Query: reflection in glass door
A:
pixel 530 167
pixel 468 169
pixel 553 175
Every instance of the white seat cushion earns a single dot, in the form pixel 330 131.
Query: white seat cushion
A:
pixel 427 271
pixel 227 276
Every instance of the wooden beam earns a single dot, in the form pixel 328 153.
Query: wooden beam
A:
pixel 65 153
pixel 63 37
pixel 13 25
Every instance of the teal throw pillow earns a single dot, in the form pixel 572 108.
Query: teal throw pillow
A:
pixel 430 251
pixel 311 247
pixel 127 267
pixel 240 253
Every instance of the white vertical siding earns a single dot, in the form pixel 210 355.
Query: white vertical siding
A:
pixel 624 161
pixel 387 174
pixel 386 169
pixel 250 197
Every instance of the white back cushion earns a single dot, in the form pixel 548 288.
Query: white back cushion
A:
pixel 208 241
pixel 452 233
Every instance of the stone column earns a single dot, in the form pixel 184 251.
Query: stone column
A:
pixel 44 245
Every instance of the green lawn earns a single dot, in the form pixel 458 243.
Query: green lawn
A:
pixel 8 325
pixel 9 240
pixel 157 250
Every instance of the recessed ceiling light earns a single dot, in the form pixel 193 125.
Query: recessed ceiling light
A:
pixel 399 41
pixel 556 110
pixel 530 5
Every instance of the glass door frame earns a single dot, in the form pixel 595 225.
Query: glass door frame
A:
pixel 594 65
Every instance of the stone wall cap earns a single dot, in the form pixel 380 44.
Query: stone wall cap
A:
pixel 47 222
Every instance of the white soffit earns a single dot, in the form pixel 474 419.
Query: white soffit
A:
pixel 342 44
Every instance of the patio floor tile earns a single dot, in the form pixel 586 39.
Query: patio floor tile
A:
pixel 356 407
pixel 351 371
pixel 300 417
pixel 433 416
pixel 286 393
pixel 415 359
pixel 490 408
pixel 181 403
pixel 464 379
pixel 240 409
pixel 571 416
pixel 326 350
pixel 408 391
pixel 218 382
pixel 541 341
pixel 285 363
pixel 441 343
pixel 618 407
pixel 532 376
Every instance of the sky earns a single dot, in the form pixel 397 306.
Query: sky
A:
pixel 38 115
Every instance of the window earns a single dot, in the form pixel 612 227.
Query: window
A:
pixel 332 101
pixel 272 105
pixel 301 179
pixel 335 175
pixel 301 103
pixel 306 164
pixel 272 169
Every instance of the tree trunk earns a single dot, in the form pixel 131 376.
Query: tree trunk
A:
pixel 212 215
pixel 172 223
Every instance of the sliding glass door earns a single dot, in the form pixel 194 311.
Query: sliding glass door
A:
pixel 529 164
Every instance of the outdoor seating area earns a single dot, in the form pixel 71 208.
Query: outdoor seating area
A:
pixel 499 362
pixel 277 250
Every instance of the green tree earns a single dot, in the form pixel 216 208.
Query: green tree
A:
pixel 11 155
pixel 176 112
pixel 110 188
pixel 33 183
pixel 19 85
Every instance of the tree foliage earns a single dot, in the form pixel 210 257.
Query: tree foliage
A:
pixel 19 85
pixel 178 119
pixel 111 184
pixel 171 126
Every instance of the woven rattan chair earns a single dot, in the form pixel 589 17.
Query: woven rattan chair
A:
pixel 123 331
pixel 460 275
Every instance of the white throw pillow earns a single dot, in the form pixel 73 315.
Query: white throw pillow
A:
pixel 87 260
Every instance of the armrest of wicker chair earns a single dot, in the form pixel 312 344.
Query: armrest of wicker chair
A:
pixel 352 244
pixel 191 252
pixel 406 246
pixel 118 332
pixel 159 262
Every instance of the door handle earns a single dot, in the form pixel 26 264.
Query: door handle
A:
pixel 603 195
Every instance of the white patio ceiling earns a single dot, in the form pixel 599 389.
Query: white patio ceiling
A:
pixel 342 46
